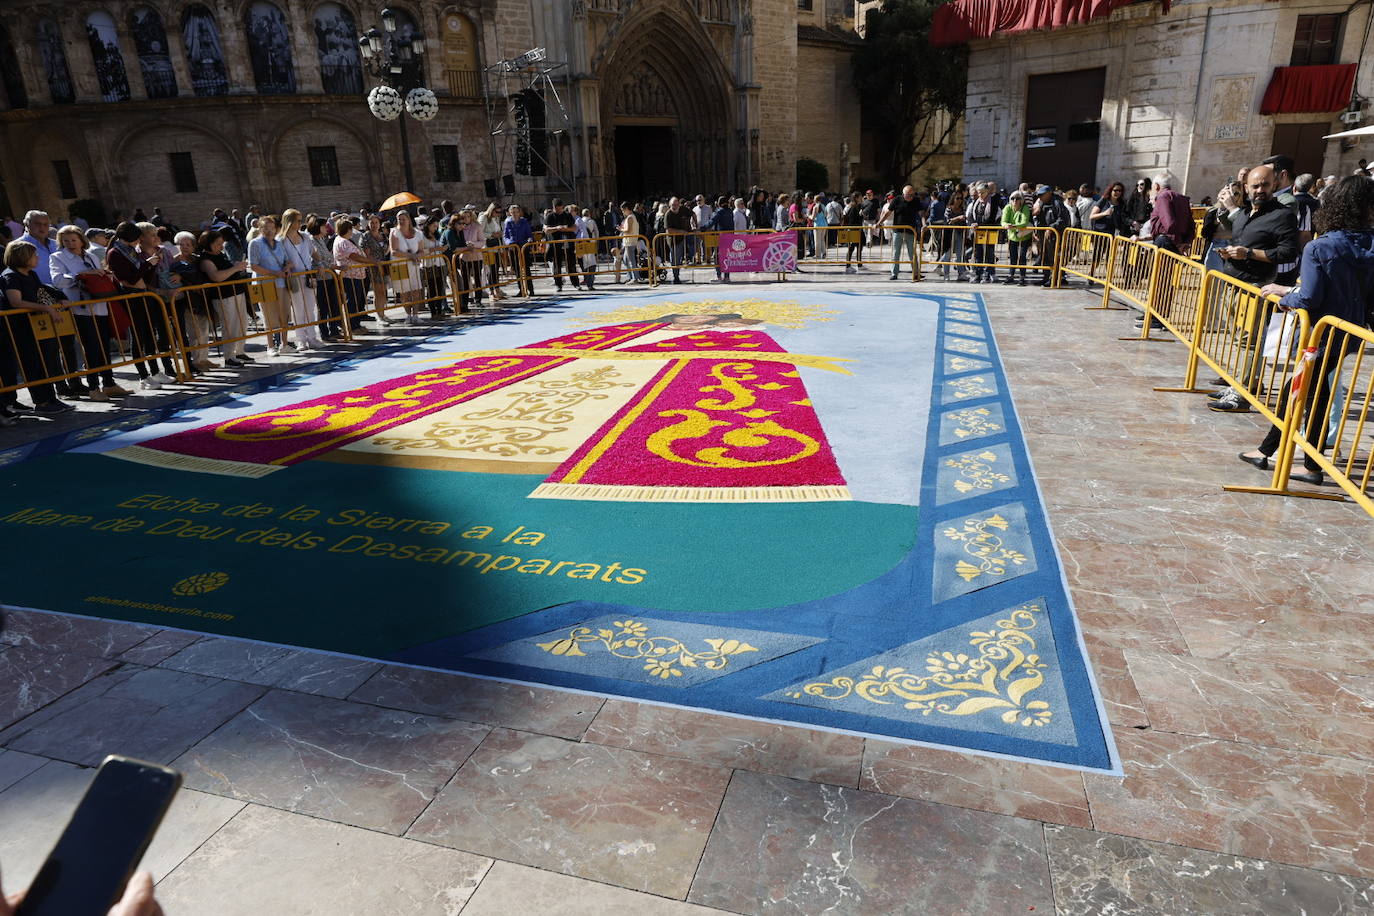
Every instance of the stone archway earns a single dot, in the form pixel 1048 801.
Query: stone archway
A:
pixel 666 110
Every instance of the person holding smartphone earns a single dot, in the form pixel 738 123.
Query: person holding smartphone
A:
pixel 138 899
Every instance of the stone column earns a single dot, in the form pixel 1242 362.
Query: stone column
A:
pixel 234 45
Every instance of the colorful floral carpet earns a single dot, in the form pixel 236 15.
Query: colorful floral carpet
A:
pixel 813 508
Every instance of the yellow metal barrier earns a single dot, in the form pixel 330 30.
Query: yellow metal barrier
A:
pixel 987 250
pixel 581 259
pixel 849 249
pixel 1325 410
pixel 1091 256
pixel 71 351
pixel 1176 283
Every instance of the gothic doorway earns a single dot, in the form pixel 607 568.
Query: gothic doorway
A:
pixel 666 112
pixel 643 161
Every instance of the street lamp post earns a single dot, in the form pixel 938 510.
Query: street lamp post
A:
pixel 392 62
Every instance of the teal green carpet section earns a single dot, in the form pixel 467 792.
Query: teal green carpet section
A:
pixel 328 555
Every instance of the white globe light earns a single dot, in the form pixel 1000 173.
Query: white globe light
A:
pixel 422 104
pixel 385 103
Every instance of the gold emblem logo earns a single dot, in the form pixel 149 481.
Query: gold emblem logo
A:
pixel 200 584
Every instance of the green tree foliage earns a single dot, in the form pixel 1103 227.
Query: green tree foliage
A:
pixel 812 175
pixel 904 83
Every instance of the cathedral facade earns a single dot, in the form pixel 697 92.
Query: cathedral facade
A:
pixel 229 103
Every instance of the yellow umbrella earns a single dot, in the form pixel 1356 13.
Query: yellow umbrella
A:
pixel 402 199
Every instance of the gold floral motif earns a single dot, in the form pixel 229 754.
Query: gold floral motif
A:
pixel 1003 673
pixel 975 472
pixel 533 416
pixel 973 421
pixel 965 346
pixel 663 656
pixel 985 547
pixel 972 387
pixel 963 364
pixel 299 422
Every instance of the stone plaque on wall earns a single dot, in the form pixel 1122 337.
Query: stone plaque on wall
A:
pixel 978 133
pixel 1229 115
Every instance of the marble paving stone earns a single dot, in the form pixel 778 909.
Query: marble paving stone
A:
pixel 1295 708
pixel 1129 623
pixel 273 666
pixel 1027 790
pixel 1295 637
pixel 1119 525
pixel 510 889
pixel 1096 873
pixel 318 673
pixel 149 713
pixel 31 679
pixel 14 766
pixel 519 706
pixel 34 811
pixel 1119 694
pixel 267 861
pixel 345 762
pixel 68 633
pixel 233 659
pixel 159 647
pixel 785 846
pixel 612 815
pixel 1264 803
pixel 1100 565
pixel 729 742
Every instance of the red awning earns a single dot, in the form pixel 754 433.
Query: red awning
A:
pixel 961 20
pixel 1294 90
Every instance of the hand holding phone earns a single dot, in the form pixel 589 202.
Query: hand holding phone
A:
pixel 88 872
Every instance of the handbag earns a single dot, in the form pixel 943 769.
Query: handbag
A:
pixel 96 284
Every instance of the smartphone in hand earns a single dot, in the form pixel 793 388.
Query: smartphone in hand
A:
pixel 87 870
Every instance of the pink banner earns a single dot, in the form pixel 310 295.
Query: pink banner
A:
pixel 771 252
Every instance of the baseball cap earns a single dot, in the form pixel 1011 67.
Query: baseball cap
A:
pixel 1043 189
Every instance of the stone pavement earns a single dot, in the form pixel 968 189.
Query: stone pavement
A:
pixel 1232 636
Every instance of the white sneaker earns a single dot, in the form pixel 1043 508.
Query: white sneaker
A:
pixel 162 378
pixel 150 384
pixel 273 351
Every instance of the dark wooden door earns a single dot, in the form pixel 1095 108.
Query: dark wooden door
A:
pixel 1063 119
pixel 1304 143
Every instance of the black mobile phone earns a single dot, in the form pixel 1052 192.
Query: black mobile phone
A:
pixel 96 854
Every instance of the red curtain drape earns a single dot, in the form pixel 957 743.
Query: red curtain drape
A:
pixel 1319 88
pixel 961 20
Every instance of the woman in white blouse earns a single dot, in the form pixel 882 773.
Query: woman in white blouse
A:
pixel 300 282
pixel 68 264
pixel 406 246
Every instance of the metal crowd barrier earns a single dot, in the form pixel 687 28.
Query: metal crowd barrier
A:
pixel 66 347
pixel 1255 347
pixel 1333 398
pixel 986 250
pixel 542 258
pixel 1091 256
pixel 700 249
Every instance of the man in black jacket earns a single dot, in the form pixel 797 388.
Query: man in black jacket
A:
pixel 1262 238
pixel 1049 212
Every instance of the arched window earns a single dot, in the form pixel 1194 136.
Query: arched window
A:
pixel 413 72
pixel 109 60
pixel 460 57
pixel 269 49
pixel 204 57
pixel 54 55
pixel 336 37
pixel 10 76
pixel 150 42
